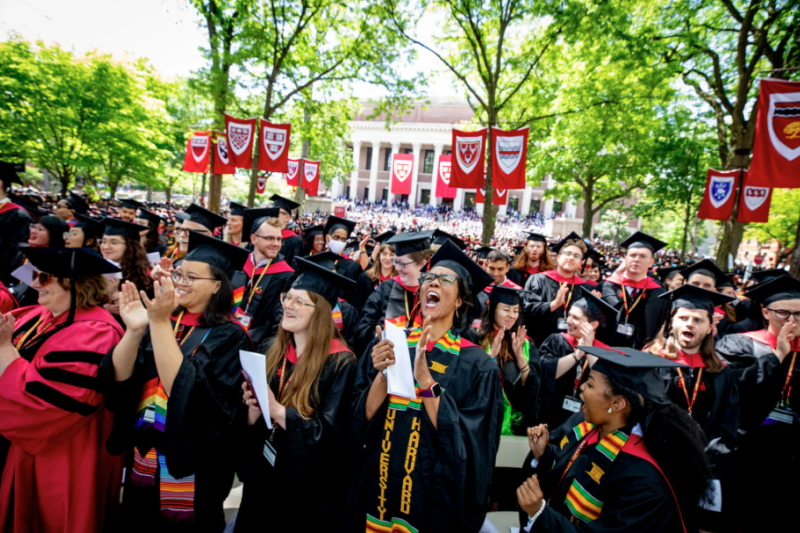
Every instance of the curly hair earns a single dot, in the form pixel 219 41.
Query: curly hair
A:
pixel 677 443
pixel 486 332
pixel 134 265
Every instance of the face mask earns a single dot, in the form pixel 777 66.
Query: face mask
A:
pixel 337 247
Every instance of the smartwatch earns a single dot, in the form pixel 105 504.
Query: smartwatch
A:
pixel 434 391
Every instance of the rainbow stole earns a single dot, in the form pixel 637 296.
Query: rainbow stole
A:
pixel 579 500
pixel 337 317
pixel 238 296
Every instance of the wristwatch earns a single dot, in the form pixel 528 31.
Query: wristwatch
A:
pixel 434 391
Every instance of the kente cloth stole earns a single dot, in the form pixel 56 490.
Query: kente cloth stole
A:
pixel 176 495
pixel 582 497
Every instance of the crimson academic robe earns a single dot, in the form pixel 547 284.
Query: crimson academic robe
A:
pixel 7 300
pixel 647 316
pixel 58 477
pixel 257 293
pixel 15 223
pixel 410 476
pixel 305 488
pixel 291 247
pixel 543 287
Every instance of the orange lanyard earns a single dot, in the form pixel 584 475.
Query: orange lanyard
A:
pixel 256 284
pixel 21 343
pixel 786 389
pixel 625 301
pixel 175 330
pixel 569 298
pixel 689 402
pixel 578 379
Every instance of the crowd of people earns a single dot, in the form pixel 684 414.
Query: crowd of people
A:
pixel 654 394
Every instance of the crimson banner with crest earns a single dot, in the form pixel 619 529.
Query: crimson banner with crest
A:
pixel 718 197
pixel 310 177
pixel 261 183
pixel 402 167
pixel 274 153
pixel 499 196
pixel 469 159
pixel 198 152
pixel 776 147
pixel 509 153
pixel 293 174
pixel 754 202
pixel 240 134
pixel 222 163
pixel 443 188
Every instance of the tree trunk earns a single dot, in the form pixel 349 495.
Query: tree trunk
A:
pixel 214 192
pixel 489 209
pixel 300 193
pixel 794 266
pixel 64 178
pixel 203 191
pixel 695 232
pixel 251 193
pixel 732 230
pixel 687 218
pixel 112 187
pixel 168 192
pixel 149 195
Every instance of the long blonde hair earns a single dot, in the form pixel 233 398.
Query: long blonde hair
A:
pixel 374 273
pixel 302 392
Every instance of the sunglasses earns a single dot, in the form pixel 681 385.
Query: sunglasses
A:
pixel 43 277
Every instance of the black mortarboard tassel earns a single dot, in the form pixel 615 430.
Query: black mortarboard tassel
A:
pixel 216 252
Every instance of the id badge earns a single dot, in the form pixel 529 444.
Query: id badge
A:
pixel 571 404
pixel 562 324
pixel 150 414
pixel 782 415
pixel 269 452
pixel 625 329
pixel 243 318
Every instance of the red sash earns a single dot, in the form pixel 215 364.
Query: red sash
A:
pixel 765 337
pixel 555 276
pixel 285 234
pixel 574 342
pixel 273 268
pixel 8 206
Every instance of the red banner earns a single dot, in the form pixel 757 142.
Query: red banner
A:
pixel 293 174
pixel 261 183
pixel 443 188
pixel 240 140
pixel 274 154
pixel 402 167
pixel 754 202
pixel 469 153
pixel 499 196
pixel 509 154
pixel 222 164
pixel 776 147
pixel 717 203
pixel 311 177
pixel 339 211
pixel 198 152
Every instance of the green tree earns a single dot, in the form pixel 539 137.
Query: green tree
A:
pixel 782 224
pixel 613 224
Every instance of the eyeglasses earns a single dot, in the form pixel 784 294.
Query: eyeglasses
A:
pixel 573 255
pixel 111 242
pixel 37 227
pixel 399 265
pixel 186 281
pixel 444 279
pixel 43 277
pixel 783 314
pixel 68 234
pixel 289 301
pixel 269 239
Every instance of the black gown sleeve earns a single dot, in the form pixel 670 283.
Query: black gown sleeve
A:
pixel 364 289
pixel 349 324
pixel 373 314
pixel 722 431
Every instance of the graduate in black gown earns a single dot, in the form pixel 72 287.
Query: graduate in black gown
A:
pixel 174 386
pixel 549 294
pixel 292 245
pixel 564 367
pixel 314 240
pixel 424 464
pixel 707 389
pixel 767 367
pixel 636 464
pixel 14 220
pixel 381 269
pixel 396 299
pixel 297 473
pixel 532 259
pixel 265 275
pixel 85 233
pixel 635 294
pixel 337 231
pixel 151 241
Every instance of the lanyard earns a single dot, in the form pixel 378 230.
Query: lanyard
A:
pixel 175 332
pixel 578 379
pixel 569 298
pixel 786 388
pixel 625 300
pixel 281 384
pixel 21 343
pixel 256 284
pixel 689 402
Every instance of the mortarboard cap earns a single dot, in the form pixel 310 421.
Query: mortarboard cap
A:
pixel 643 240
pixel 251 216
pixel 316 275
pixel 77 202
pixel 691 297
pixel 181 216
pixel 117 226
pixel 763 276
pixel 149 216
pixel 537 237
pixel 776 290
pixel 216 252
pixel 335 223
pixel 634 370
pixel 204 217
pixel 449 256
pixel 483 252
pixel 413 241
pixel 283 203
pixel 440 236
pixel 560 244
pixel 68 263
pixel 237 209
pixel 9 173
pixel 130 203
pixel 596 308
pixel 92 227
pixel 384 236
pixel 664 271
pixel 506 295
pixel 313 231
pixel 30 206
pixel 706 267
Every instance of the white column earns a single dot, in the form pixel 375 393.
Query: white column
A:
pixel 354 174
pixel 479 207
pixel 412 198
pixel 395 151
pixel 373 172
pixel 437 152
pixel 526 201
pixel 458 202
pixel 548 204
pixel 569 209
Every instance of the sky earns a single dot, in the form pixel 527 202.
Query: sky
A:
pixel 167 32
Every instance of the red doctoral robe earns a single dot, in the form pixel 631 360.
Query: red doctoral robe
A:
pixel 58 476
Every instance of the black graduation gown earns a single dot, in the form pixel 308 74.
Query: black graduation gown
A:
pixel 636 497
pixel 445 471
pixel 540 321
pixel 364 289
pixel 305 489
pixel 771 445
pixel 15 223
pixel 291 247
pixel 351 270
pixel 647 317
pixel 350 321
pixel 374 311
pixel 203 411
pixel 520 277
pixel 265 308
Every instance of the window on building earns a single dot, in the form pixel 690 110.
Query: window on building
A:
pixel 446 152
pixel 385 195
pixel 536 206
pixel 366 193
pixel 469 199
pixel 403 197
pixel 348 191
pixel 387 163
pixel 425 196
pixel 369 158
pixel 513 203
pixel 558 207
pixel 408 150
pixel 428 166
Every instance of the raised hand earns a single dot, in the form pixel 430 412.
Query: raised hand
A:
pixel 538 438
pixel 497 343
pixel 6 329
pixel 131 309
pixel 518 343
pixel 421 371
pixel 161 306
pixel 786 336
pixel 382 353
pixel 560 298
pixel 530 496
pixel 586 333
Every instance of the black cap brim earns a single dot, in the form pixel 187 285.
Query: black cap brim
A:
pixel 117 226
pixel 708 266
pixel 68 263
pixel 320 280
pixel 560 244
pixel 251 216
pixel 334 223
pixel 775 290
pixel 440 236
pixel 204 217
pixel 642 240
pixel 412 241
pixel 691 297
pixel 212 251
pixel 283 203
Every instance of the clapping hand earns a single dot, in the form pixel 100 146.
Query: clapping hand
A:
pixel 131 309
pixel 421 371
pixel 497 343
pixel 517 344
pixel 161 306
pixel 538 438
pixel 6 329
